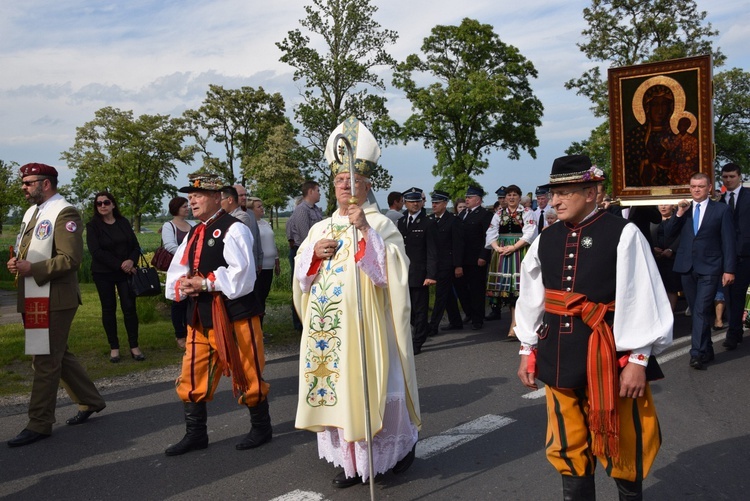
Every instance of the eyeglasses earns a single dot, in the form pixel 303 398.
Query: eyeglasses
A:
pixel 565 194
pixel 105 203
pixel 29 183
pixel 346 182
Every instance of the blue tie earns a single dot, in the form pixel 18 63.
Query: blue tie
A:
pixel 696 218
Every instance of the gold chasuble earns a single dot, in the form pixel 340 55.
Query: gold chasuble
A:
pixel 330 385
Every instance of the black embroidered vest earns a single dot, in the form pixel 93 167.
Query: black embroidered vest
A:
pixel 212 257
pixel 580 259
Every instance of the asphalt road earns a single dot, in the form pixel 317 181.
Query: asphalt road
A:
pixel 481 439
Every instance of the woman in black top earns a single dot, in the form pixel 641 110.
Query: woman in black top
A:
pixel 114 252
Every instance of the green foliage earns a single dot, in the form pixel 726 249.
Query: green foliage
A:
pixel 132 158
pixel 627 32
pixel 11 195
pixel 240 120
pixel 732 118
pixel 276 172
pixel 480 100
pixel 336 79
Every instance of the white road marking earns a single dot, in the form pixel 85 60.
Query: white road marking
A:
pixel 429 447
pixel 450 439
pixel 299 495
pixel 666 357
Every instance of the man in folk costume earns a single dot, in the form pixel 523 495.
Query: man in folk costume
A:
pixel 331 382
pixel 49 252
pixel 214 270
pixel 590 331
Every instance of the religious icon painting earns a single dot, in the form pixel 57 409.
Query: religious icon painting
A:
pixel 661 125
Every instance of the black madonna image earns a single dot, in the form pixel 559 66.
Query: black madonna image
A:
pixel 661 125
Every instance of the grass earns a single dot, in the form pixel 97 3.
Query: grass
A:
pixel 156 336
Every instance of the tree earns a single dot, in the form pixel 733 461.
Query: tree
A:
pixel 481 101
pixel 336 82
pixel 132 158
pixel 628 32
pixel 237 119
pixel 11 195
pixel 278 170
pixel 732 118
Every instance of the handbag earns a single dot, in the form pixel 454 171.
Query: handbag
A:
pixel 162 258
pixel 145 280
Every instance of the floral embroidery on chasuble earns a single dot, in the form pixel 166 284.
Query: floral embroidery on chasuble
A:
pixel 326 322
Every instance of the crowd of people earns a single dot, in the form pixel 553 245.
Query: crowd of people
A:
pixel 562 264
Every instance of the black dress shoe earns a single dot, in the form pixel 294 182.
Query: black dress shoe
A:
pixel 476 326
pixel 115 360
pixel 695 363
pixel 452 328
pixel 26 437
pixel 405 462
pixel 342 481
pixel 81 417
pixel 730 344
pixel 139 357
pixel 708 357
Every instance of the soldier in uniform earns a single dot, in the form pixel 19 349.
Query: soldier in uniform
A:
pixel 471 287
pixel 420 240
pixel 542 200
pixel 450 262
pixel 50 249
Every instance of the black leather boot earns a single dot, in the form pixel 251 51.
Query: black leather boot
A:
pixel 260 431
pixel 578 488
pixel 629 491
pixel 196 436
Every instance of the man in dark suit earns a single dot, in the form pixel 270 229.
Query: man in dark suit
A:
pixel 706 258
pixel 420 240
pixel 470 288
pixel 738 201
pixel 49 254
pixel 449 265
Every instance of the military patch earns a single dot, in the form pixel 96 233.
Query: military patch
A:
pixel 211 242
pixel 587 242
pixel 71 226
pixel 217 233
pixel 43 229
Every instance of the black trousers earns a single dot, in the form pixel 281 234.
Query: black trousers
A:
pixel 296 322
pixel 263 288
pixel 472 286
pixel 445 300
pixel 420 303
pixel 106 287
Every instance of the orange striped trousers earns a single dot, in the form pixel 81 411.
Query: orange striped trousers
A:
pixel 568 435
pixel 202 369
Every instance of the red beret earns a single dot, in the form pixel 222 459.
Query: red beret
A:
pixel 39 170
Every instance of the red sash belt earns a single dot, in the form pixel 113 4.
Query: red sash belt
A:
pixel 601 367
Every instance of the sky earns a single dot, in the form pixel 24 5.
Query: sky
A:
pixel 61 60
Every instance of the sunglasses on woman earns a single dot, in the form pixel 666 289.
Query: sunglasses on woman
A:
pixel 105 203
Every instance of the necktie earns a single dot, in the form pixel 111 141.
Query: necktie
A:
pixel 541 219
pixel 411 220
pixel 696 218
pixel 731 201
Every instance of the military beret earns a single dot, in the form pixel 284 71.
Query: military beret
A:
pixel 35 169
